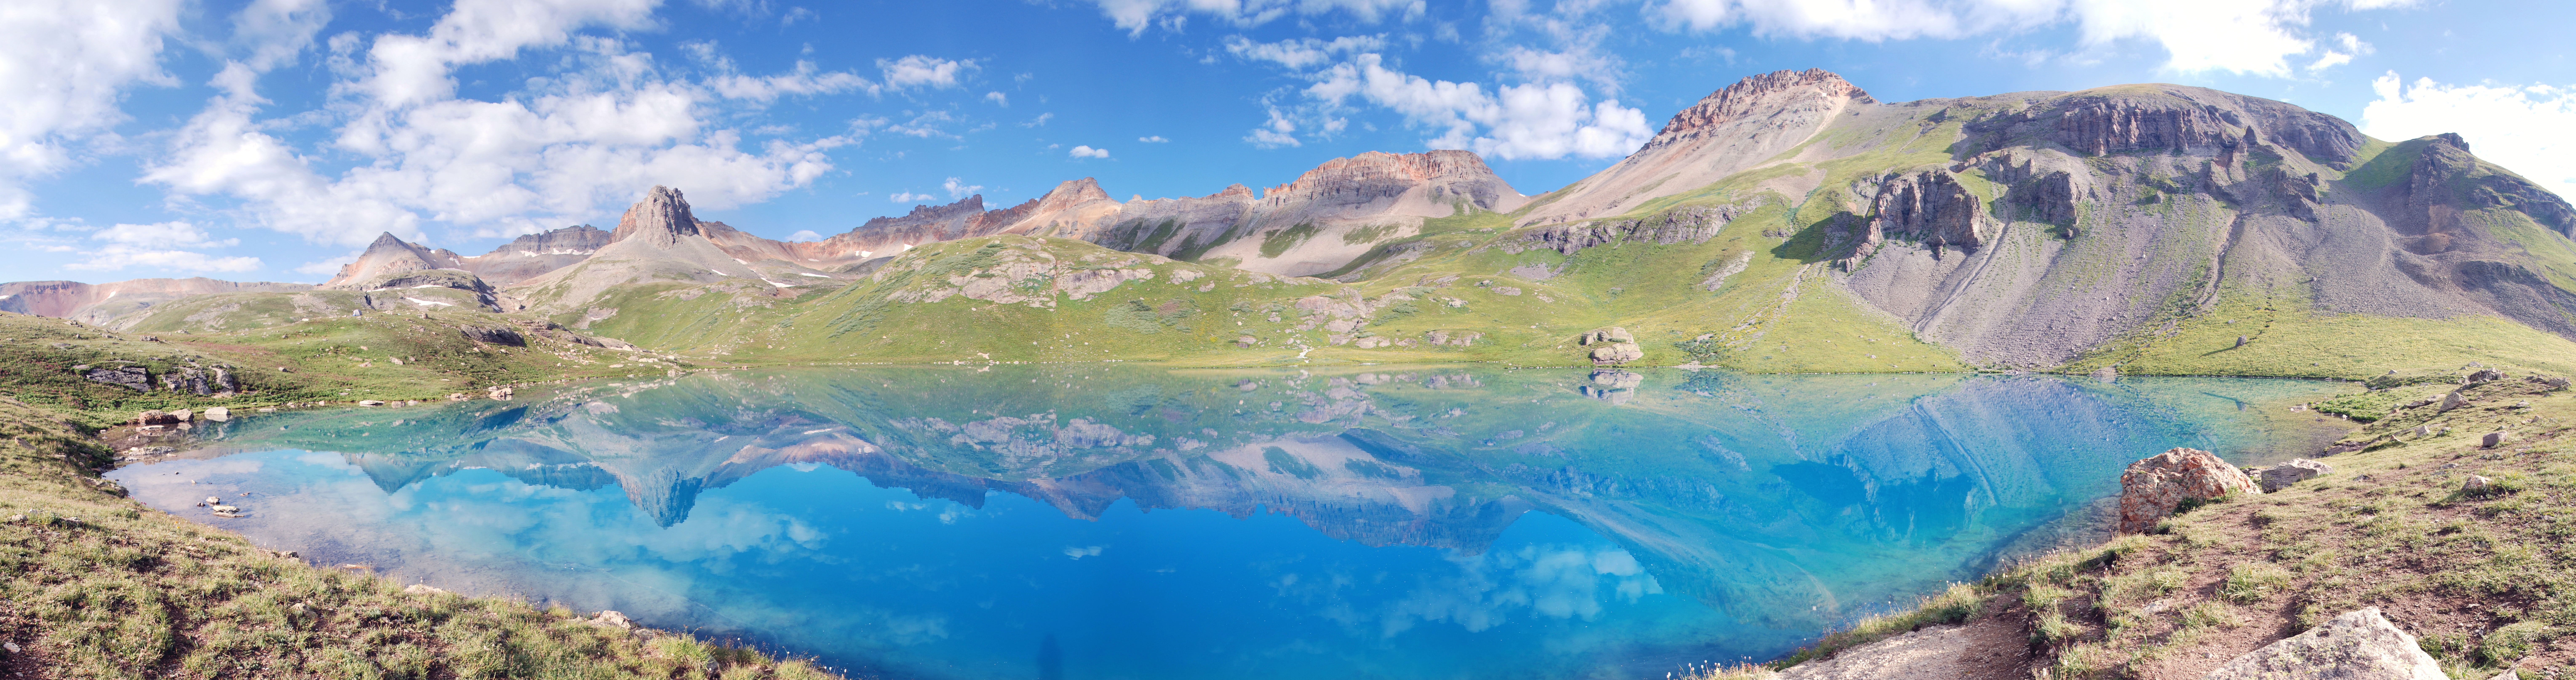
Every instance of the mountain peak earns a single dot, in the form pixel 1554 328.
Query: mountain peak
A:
pixel 388 254
pixel 661 218
pixel 1756 94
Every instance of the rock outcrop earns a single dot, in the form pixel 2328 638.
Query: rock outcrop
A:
pixel 391 255
pixel 2154 486
pixel 1611 346
pixel 2359 645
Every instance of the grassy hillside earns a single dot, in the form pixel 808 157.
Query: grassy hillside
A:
pixel 339 358
pixel 2481 577
pixel 93 585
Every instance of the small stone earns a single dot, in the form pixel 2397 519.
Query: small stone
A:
pixel 11 646
pixel 370 402
pixel 2453 400
pixel 612 619
pixel 2493 439
pixel 422 589
pixel 2281 476
pixel 210 500
pixel 2477 484
pixel 2485 375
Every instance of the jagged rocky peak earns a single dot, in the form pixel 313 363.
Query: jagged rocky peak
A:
pixel 1745 125
pixel 661 218
pixel 389 254
pixel 579 239
pixel 1759 97
pixel 1451 175
pixel 1073 193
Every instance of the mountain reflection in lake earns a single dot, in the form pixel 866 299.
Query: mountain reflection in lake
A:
pixel 1121 521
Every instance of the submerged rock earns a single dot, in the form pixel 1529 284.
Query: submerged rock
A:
pixel 2155 485
pixel 2362 645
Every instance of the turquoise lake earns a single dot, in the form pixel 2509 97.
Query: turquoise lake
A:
pixel 1122 521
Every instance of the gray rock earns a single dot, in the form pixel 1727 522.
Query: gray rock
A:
pixel 2362 645
pixel 2106 374
pixel 2494 439
pixel 2477 484
pixel 219 414
pixel 135 377
pixel 2484 375
pixel 2281 476
pixel 1613 334
pixel 612 619
pixel 1617 353
pixel 2453 400
pixel 422 589
pixel 494 336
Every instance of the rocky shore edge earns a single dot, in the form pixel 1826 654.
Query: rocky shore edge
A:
pixel 2431 544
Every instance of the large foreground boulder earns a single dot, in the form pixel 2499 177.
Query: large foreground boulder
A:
pixel 2361 645
pixel 2155 485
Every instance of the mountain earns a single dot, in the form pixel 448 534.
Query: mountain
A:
pixel 1787 222
pixel 114 304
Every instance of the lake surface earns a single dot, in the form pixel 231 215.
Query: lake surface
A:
pixel 1134 522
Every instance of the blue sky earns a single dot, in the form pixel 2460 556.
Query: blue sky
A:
pixel 271 140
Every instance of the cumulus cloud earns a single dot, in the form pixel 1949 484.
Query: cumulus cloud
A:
pixel 2256 37
pixel 909 197
pixel 1088 152
pixel 572 146
pixel 1560 582
pixel 998 99
pixel 805 235
pixel 923 71
pixel 63 65
pixel 2529 129
pixel 959 189
pixel 1302 53
pixel 164 245
pixel 1156 139
pixel 1543 120
pixel 1134 16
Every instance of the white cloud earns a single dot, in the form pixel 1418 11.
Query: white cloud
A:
pixel 1039 121
pixel 958 189
pixel 276 31
pixel 2255 37
pixel 161 245
pixel 806 80
pixel 63 64
pixel 1088 152
pixel 1302 53
pixel 575 145
pixel 1156 139
pixel 1134 16
pixel 2530 130
pixel 2346 47
pixel 1536 120
pixel 804 235
pixel 998 98
pixel 923 71
pixel 909 197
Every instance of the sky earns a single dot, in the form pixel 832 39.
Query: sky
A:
pixel 272 140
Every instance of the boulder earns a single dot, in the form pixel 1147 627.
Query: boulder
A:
pixel 2554 383
pixel 2484 375
pixel 2477 484
pixel 494 336
pixel 2106 374
pixel 2494 439
pixel 2281 476
pixel 1613 334
pixel 2362 645
pixel 2152 487
pixel 422 589
pixel 219 414
pixel 2453 400
pixel 1617 353
pixel 155 417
